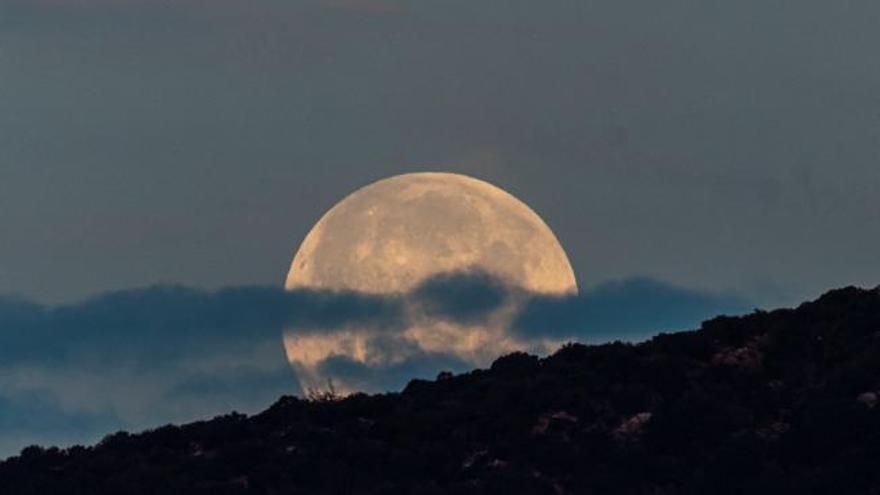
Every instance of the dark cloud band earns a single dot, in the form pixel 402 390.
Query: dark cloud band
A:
pixel 137 358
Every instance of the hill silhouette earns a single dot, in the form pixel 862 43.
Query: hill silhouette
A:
pixel 786 401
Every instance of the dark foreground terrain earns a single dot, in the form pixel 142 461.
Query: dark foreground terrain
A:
pixel 779 402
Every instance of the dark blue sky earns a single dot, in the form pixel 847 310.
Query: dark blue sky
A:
pixel 729 146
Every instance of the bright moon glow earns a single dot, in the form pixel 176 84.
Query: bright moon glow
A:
pixel 392 235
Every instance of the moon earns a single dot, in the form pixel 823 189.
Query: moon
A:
pixel 394 234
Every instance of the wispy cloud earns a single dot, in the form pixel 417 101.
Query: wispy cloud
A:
pixel 628 310
pixel 138 358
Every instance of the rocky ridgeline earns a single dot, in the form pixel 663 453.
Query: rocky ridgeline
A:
pixel 774 402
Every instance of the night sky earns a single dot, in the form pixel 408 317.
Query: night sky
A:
pixel 161 161
pixel 727 146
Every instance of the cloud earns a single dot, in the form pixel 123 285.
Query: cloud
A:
pixel 138 358
pixel 474 317
pixel 464 297
pixel 162 323
pixel 633 309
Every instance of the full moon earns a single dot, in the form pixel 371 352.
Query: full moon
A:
pixel 394 234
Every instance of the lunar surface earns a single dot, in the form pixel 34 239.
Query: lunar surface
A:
pixel 391 236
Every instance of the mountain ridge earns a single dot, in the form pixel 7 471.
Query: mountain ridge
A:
pixel 780 401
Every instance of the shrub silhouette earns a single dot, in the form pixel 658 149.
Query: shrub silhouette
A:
pixel 330 394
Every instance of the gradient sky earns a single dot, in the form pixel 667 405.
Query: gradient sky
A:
pixel 694 158
pixel 729 146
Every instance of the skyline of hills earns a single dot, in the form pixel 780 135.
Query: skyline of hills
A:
pixel 783 401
